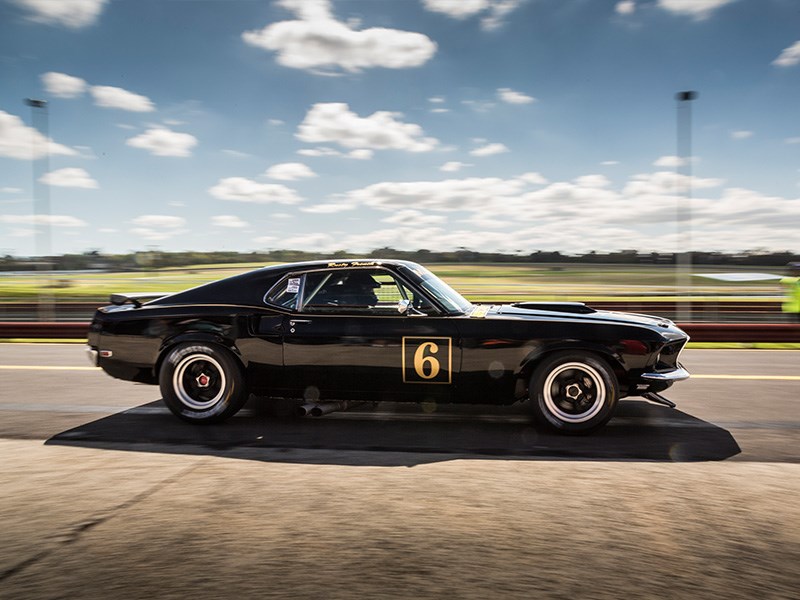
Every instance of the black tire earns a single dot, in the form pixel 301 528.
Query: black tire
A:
pixel 202 383
pixel 573 392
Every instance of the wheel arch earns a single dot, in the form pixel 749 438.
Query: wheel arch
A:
pixel 197 337
pixel 536 356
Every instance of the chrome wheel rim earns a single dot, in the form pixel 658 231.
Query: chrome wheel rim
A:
pixel 574 392
pixel 199 381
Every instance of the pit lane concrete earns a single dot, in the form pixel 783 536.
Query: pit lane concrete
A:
pixel 106 493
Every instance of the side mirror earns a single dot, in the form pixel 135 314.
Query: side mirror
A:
pixel 403 306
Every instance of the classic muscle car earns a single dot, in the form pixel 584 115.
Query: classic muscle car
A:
pixel 330 332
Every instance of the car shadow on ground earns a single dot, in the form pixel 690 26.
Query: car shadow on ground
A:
pixel 387 434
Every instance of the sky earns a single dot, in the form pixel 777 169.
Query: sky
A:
pixel 323 125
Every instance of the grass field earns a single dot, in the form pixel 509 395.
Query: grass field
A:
pixel 478 282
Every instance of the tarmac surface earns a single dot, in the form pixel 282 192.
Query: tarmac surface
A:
pixel 105 493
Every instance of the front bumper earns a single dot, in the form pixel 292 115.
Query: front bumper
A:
pixel 677 374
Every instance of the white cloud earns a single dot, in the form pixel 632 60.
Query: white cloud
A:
pixel 236 153
pixel 698 9
pixel 451 194
pixel 335 122
pixel 440 111
pixel 609 163
pixel 741 135
pixel 533 178
pixel 157 228
pixel 479 106
pixel 458 9
pixel 509 96
pixel 452 166
pixel 361 154
pixel 113 97
pixel 230 221
pixel 62 85
pixel 289 171
pixel 625 7
pixel 493 11
pixel 586 214
pixel 319 151
pixel 358 153
pixel 19 141
pixel 52 220
pixel 308 241
pixel 666 183
pixel 69 177
pixel 592 181
pixel 414 218
pixel 241 189
pixel 69 13
pixel 792 140
pixel 789 57
pixel 436 100
pixel 10 190
pixel 669 161
pixel 329 207
pixel 274 122
pixel 489 150
pixel 164 142
pixel 316 40
pixel 164 221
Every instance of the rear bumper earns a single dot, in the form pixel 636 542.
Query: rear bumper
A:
pixel 92 355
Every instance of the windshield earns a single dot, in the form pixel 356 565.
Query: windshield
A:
pixel 451 299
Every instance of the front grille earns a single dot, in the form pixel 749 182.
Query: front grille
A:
pixel 668 358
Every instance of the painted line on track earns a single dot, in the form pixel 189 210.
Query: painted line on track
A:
pixel 46 368
pixel 750 377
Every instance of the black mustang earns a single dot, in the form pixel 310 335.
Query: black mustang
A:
pixel 330 332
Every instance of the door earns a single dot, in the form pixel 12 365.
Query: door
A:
pixel 347 339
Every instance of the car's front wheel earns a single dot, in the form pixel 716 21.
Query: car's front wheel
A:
pixel 202 383
pixel 573 392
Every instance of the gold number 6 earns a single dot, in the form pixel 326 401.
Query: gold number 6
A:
pixel 420 360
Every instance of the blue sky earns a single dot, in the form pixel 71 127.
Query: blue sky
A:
pixel 513 125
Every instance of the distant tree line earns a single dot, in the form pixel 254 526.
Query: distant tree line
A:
pixel 155 259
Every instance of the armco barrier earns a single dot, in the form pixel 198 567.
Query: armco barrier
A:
pixel 699 332
pixel 742 332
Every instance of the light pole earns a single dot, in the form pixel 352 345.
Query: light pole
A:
pixel 40 157
pixel 683 263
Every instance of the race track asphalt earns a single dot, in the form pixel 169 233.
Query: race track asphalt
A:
pixel 106 494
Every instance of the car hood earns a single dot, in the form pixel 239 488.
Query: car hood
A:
pixel 573 311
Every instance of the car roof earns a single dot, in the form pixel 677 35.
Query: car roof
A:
pixel 347 263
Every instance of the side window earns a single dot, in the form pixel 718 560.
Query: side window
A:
pixel 418 302
pixel 343 290
pixel 286 293
pixel 356 291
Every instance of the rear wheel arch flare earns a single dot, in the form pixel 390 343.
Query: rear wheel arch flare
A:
pixel 199 338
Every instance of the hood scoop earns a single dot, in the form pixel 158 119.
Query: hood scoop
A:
pixel 564 307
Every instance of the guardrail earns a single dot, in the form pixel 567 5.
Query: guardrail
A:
pixel 699 332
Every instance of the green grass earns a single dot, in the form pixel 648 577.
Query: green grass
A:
pixel 478 282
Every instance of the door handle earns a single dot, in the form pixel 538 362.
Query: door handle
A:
pixel 293 322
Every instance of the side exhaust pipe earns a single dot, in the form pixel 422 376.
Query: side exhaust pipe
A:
pixel 317 409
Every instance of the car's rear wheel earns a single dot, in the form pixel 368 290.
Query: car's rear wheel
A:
pixel 573 392
pixel 202 383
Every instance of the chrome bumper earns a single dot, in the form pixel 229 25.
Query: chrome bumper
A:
pixel 91 354
pixel 678 374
